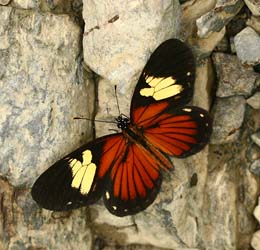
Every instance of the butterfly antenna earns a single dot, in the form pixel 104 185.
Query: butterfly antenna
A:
pixel 117 100
pixel 88 119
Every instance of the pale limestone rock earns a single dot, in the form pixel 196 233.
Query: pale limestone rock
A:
pixel 254 101
pixel 203 84
pixel 120 35
pixel 4 2
pixel 26 4
pixel 220 213
pixel 255 243
pixel 247 43
pixel 42 89
pixel 257 211
pixel 203 47
pixel 254 6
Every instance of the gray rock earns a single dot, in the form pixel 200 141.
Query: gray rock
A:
pixel 218 17
pixel 42 89
pixel 255 169
pixel 254 101
pixel 233 77
pixel 247 43
pixel 254 6
pixel 256 138
pixel 228 118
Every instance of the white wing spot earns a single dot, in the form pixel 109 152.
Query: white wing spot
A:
pixel 69 203
pixel 187 109
pixel 114 207
pixel 107 195
pixel 201 115
pixel 188 73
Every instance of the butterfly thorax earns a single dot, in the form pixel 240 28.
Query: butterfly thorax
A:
pixel 122 122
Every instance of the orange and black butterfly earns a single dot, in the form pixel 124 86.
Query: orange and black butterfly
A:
pixel 126 168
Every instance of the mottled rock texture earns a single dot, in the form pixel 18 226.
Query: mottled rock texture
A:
pixel 59 59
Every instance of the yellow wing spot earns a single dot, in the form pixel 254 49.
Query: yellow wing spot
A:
pixel 161 87
pixel 187 110
pixel 83 173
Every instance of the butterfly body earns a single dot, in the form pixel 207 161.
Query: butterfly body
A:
pixel 126 168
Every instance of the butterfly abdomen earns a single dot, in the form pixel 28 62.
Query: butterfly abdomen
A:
pixel 136 136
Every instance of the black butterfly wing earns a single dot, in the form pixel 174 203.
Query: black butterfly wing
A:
pixel 168 77
pixel 79 178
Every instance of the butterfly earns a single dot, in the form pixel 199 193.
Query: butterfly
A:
pixel 126 168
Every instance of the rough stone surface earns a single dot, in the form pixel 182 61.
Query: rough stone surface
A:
pixel 255 168
pixel 25 226
pixel 255 243
pixel 247 44
pixel 42 90
pixel 218 17
pixel 116 26
pixel 254 101
pixel 228 118
pixel 257 211
pixel 203 47
pixel 254 23
pixel 254 6
pixel 233 78
pixel 4 2
pixel 26 4
pixel 256 138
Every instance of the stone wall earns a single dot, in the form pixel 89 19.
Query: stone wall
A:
pixel 61 59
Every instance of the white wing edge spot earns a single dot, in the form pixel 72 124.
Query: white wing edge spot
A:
pixel 107 195
pixel 187 109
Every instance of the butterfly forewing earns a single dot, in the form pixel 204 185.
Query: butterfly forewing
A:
pixel 168 76
pixel 77 179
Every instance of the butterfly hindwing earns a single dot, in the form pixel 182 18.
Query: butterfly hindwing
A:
pixel 133 183
pixel 179 132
